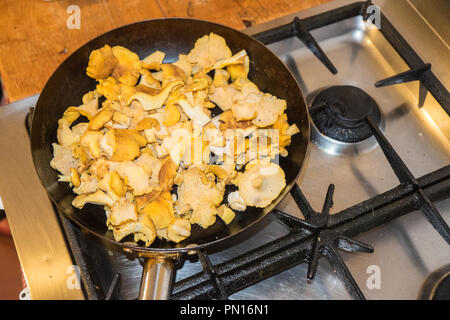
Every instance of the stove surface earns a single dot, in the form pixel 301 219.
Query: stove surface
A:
pixel 362 56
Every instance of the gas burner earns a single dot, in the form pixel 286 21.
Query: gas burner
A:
pixel 339 115
pixel 437 285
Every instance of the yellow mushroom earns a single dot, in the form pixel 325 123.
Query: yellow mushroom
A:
pixel 197 85
pixel 178 230
pixel 167 174
pixel 98 197
pixel 75 178
pixel 160 211
pixel 171 72
pixel 109 88
pixel 101 63
pixel 78 152
pixel 171 115
pixel 148 123
pixel 123 144
pixel 184 64
pixel 154 60
pixel 143 200
pixel 91 140
pixel 239 70
pixel 148 80
pixel 143 230
pixel 122 211
pixel 127 69
pixel 117 184
pixel 99 120
pixel 225 213
pixel 150 102
pixel 237 59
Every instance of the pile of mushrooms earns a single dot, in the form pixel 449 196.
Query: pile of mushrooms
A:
pixel 154 131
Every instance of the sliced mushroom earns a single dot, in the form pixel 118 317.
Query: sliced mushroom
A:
pixel 208 50
pixel 236 202
pixel 154 60
pixel 184 64
pixel 101 63
pixel 196 192
pixel 98 197
pixel 143 227
pixel 196 113
pixel 167 174
pixel 91 140
pixel 160 211
pixel 178 229
pixel 117 184
pixel 122 211
pixel 225 213
pixel 100 118
pixel 261 183
pixel 150 102
pixel 75 178
pixel 128 66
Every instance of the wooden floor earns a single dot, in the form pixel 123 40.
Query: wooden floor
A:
pixel 10 277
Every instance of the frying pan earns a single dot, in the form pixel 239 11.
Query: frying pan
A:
pixel 173 36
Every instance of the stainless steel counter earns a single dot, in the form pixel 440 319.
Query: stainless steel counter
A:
pixel 37 234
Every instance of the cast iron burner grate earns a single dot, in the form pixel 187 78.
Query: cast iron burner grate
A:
pixel 320 234
pixel 339 112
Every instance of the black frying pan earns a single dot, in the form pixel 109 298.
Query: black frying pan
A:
pixel 173 36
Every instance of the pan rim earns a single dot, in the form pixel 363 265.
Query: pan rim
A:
pixel 269 209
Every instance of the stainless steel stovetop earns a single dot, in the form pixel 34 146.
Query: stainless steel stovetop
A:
pixel 407 249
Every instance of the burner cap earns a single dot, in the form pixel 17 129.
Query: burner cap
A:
pixel 342 111
pixel 437 285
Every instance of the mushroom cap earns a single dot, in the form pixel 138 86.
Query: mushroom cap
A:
pixel 261 183
pixel 122 211
pixel 101 63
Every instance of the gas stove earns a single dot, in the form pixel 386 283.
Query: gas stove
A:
pixel 368 218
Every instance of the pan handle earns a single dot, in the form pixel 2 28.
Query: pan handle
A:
pixel 157 276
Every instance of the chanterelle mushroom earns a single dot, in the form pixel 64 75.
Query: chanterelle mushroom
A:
pixel 270 107
pixel 208 50
pixel 225 213
pixel 88 184
pixel 122 211
pixel 143 229
pixel 135 177
pixel 98 197
pixel 178 229
pixel 223 96
pixel 196 113
pixel 261 183
pixel 184 64
pixel 152 102
pixel 128 65
pixel 160 211
pixel 101 63
pixel 236 202
pixel 63 159
pixel 65 135
pixel 154 60
pixel 196 192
